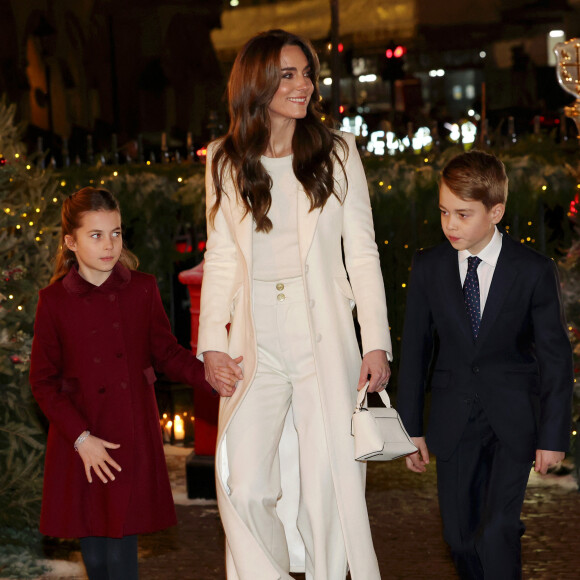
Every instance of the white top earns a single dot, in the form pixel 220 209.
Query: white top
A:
pixel 488 256
pixel 275 254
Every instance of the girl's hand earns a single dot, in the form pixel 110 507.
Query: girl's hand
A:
pixel 222 372
pixel 93 452
pixel 376 370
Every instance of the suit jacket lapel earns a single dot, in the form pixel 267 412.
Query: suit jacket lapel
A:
pixel 503 277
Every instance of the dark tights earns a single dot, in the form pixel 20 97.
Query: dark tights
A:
pixel 110 558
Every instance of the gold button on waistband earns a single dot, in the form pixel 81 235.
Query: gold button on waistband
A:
pixel 281 297
pixel 279 286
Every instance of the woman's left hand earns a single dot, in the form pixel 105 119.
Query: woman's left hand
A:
pixel 376 370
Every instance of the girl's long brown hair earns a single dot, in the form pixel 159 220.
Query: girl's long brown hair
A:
pixel 73 209
pixel 254 80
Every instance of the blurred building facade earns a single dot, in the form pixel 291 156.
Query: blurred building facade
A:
pixel 79 67
pixel 129 67
pixel 449 49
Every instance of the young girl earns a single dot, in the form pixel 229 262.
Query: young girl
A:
pixel 100 331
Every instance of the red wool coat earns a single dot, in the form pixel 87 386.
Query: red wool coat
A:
pixel 94 352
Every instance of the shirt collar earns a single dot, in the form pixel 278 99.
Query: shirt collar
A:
pixel 489 254
pixel 74 283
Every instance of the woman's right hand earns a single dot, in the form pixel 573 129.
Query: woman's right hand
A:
pixel 222 371
pixel 93 452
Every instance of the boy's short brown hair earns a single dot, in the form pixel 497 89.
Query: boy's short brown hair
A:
pixel 477 176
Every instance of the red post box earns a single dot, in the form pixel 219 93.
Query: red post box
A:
pixel 200 464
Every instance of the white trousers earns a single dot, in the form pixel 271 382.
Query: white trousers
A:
pixel 285 378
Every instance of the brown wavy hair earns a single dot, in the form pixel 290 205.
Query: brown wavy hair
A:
pixel 477 176
pixel 254 80
pixel 74 207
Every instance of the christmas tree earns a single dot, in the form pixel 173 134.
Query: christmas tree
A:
pixel 570 271
pixel 29 220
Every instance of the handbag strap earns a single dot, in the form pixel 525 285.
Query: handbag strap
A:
pixel 361 399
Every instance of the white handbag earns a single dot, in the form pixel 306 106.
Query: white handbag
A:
pixel 379 434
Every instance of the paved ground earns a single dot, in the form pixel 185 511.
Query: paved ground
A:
pixel 405 524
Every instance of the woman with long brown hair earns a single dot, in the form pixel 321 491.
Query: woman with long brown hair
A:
pixel 286 195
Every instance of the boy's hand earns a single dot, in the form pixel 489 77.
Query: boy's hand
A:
pixel 94 454
pixel 418 461
pixel 545 459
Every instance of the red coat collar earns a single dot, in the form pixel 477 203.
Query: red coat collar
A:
pixel 74 283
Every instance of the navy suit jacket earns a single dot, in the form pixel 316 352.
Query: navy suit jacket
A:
pixel 520 366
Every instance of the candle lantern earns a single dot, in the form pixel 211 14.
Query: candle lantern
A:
pixel 178 428
pixel 568 73
pixel 167 431
pixel 175 403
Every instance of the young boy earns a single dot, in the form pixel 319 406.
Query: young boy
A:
pixel 502 373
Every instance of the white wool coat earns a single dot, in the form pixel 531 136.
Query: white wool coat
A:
pixel 226 298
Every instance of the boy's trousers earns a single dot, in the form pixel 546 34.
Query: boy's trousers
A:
pixel 285 377
pixel 481 492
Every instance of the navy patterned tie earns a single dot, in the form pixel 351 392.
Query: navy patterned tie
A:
pixel 471 294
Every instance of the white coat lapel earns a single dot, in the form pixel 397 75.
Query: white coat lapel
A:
pixel 242 230
pixel 307 221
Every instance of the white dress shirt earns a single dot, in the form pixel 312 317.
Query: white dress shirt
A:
pixel 488 256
